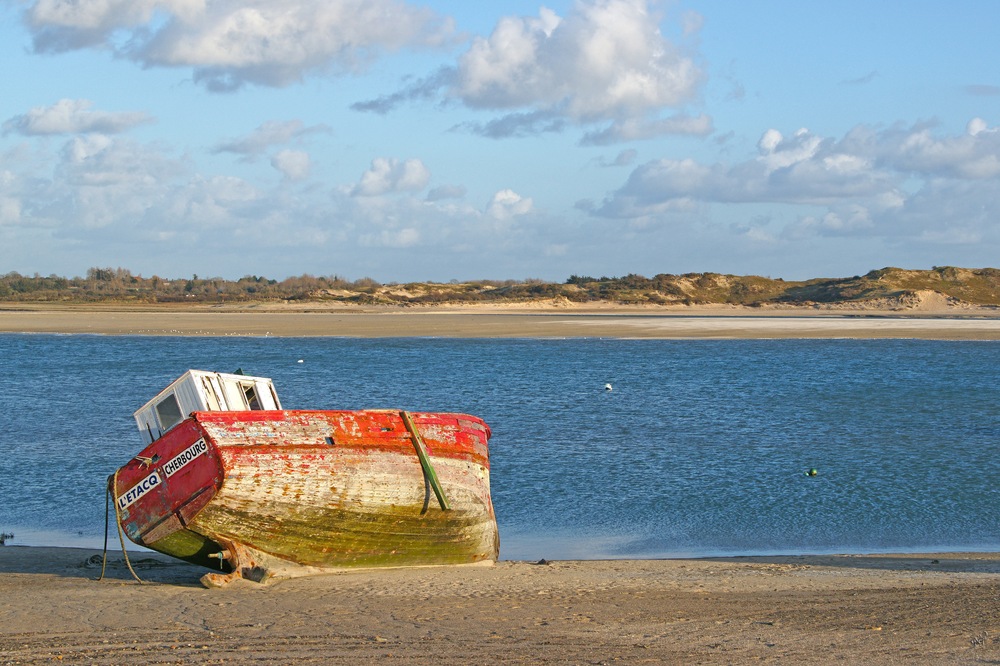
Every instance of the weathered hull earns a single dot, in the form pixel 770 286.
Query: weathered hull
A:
pixel 289 492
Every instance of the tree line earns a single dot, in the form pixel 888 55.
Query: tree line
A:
pixel 976 286
pixel 121 285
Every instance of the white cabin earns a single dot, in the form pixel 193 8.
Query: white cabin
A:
pixel 201 391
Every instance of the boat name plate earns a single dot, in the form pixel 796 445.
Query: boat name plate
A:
pixel 176 463
pixel 138 490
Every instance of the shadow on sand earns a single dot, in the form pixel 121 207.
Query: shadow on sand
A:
pixel 88 563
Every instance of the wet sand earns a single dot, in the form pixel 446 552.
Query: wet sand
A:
pixel 502 322
pixel 878 609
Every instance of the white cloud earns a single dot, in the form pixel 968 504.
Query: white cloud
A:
pixel 390 175
pixel 606 59
pixel 97 182
pixel 10 202
pixel 69 206
pixel 692 22
pixel 895 182
pixel 605 62
pixel 105 162
pixel 778 152
pixel 801 168
pixel 975 154
pixel 10 211
pixel 624 158
pixel 73 116
pixel 506 204
pixel 202 204
pixel 443 192
pixel 229 43
pixel 294 164
pixel 633 129
pixel 62 25
pixel 848 220
pixel 395 238
pixel 977 125
pixel 266 135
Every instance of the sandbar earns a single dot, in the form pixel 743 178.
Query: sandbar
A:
pixel 874 609
pixel 606 321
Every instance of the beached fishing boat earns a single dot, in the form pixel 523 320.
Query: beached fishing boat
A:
pixel 232 481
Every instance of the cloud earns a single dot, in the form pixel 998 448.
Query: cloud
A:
pixel 941 212
pixel 395 238
pixel 73 116
pixel 64 25
pixel 10 198
pixel 606 61
pixel 506 204
pixel 898 181
pixel 294 164
pixel 232 43
pixel 974 155
pixel 100 180
pixel 806 168
pixel 10 210
pixel 642 128
pixel 268 134
pixel 606 58
pixel 390 175
pixel 424 89
pixel 802 168
pixel 443 192
pixel 68 205
pixel 981 90
pixel 624 158
pixel 861 80
pixel 518 125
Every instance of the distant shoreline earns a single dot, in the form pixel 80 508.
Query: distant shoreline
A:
pixel 491 321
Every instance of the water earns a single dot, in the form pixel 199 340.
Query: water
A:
pixel 700 449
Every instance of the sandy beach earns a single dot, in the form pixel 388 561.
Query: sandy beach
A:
pixel 607 321
pixel 878 609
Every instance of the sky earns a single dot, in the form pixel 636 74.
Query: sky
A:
pixel 444 140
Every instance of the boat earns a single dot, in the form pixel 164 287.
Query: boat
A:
pixel 230 480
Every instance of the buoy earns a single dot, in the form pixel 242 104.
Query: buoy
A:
pixel 812 472
pixel 301 360
pixel 607 387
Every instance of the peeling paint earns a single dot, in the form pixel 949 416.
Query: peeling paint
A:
pixel 277 494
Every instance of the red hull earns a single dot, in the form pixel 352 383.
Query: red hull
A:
pixel 281 490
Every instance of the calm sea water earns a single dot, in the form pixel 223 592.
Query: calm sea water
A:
pixel 701 448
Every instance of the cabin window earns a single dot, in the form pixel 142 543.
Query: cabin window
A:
pixel 250 393
pixel 168 412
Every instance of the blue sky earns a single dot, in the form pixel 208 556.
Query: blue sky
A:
pixel 459 141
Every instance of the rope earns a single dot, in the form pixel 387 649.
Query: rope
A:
pixel 425 461
pixel 112 490
pixel 107 498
